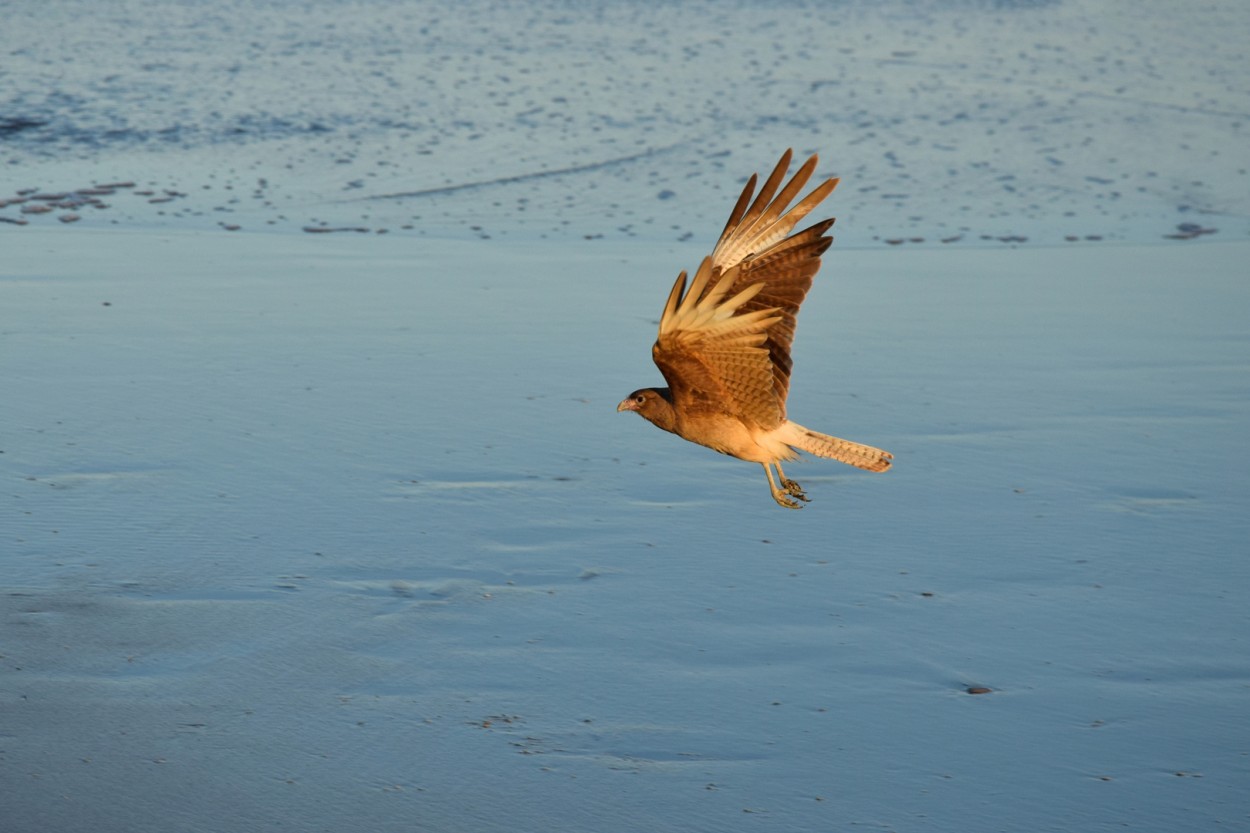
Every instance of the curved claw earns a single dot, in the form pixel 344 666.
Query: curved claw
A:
pixel 785 500
pixel 788 491
pixel 795 489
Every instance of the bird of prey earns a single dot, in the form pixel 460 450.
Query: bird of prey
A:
pixel 724 343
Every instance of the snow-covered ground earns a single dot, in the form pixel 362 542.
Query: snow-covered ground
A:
pixel 341 531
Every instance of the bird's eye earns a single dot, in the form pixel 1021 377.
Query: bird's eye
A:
pixel 640 399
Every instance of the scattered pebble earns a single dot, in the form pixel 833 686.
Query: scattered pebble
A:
pixel 36 202
pixel 1188 231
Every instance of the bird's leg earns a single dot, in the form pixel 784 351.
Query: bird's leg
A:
pixel 790 486
pixel 780 495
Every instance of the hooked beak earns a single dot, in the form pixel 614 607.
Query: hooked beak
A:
pixel 627 405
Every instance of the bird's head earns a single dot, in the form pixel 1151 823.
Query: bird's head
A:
pixel 653 404
pixel 639 400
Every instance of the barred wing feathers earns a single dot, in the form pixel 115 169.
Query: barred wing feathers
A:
pixel 728 336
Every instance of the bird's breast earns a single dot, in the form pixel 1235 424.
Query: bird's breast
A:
pixel 730 435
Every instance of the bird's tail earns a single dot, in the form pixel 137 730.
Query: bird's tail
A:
pixel 844 451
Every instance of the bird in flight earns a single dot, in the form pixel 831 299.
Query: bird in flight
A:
pixel 724 343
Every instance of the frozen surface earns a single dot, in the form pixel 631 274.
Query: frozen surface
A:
pixel 341 532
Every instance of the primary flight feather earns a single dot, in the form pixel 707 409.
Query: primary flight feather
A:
pixel 724 342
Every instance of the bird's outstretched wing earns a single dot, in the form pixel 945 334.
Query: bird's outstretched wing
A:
pixel 725 342
pixel 713 353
